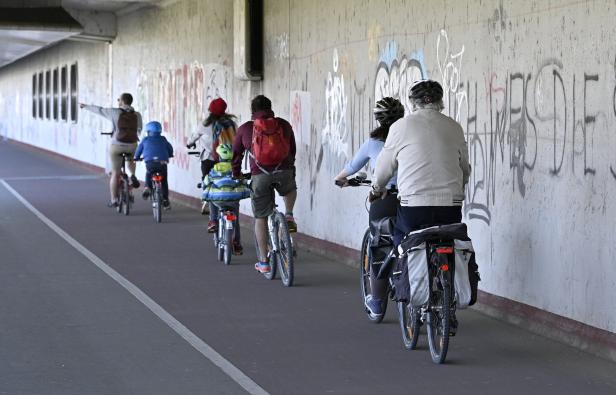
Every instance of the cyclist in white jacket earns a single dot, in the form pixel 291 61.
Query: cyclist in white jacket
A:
pixel 430 155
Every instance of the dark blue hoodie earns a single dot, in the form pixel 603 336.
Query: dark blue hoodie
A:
pixel 154 148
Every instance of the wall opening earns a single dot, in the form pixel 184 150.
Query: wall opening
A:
pixel 64 93
pixel 74 98
pixel 34 96
pixel 56 94
pixel 48 94
pixel 40 95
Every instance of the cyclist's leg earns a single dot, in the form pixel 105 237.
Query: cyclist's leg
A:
pixel 148 174
pixel 287 188
pixel 162 169
pixel 236 210
pixel 131 165
pixel 262 200
pixel 382 208
pixel 116 166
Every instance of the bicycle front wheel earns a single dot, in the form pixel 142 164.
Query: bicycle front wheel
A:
pixel 438 318
pixel 286 259
pixel 410 321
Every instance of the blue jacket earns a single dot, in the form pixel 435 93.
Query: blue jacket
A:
pixel 154 148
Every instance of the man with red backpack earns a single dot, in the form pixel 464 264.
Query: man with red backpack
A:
pixel 126 128
pixel 270 143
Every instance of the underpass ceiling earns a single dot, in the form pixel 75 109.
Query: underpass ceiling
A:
pixel 30 25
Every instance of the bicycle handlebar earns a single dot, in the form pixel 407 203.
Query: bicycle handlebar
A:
pixel 195 153
pixel 353 182
pixel 106 133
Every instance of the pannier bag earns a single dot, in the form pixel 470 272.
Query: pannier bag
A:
pixel 414 254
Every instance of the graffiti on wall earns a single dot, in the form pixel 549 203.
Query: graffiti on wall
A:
pixel 523 109
pixel 334 135
pixel 450 71
pixel 395 73
pixel 300 116
pixel 178 98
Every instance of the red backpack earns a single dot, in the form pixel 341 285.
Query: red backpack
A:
pixel 270 145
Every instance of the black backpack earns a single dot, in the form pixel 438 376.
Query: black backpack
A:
pixel 127 127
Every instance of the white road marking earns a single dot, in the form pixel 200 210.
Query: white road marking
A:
pixel 66 178
pixel 234 373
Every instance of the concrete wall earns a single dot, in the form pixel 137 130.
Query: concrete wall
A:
pixel 532 82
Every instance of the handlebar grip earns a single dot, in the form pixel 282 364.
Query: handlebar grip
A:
pixel 193 153
pixel 106 133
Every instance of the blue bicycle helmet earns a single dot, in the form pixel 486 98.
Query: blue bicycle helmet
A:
pixel 153 127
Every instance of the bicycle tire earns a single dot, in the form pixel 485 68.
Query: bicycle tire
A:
pixel 126 197
pixel 438 319
pixel 218 240
pixel 157 205
pixel 120 197
pixel 228 246
pixel 410 322
pixel 285 259
pixel 364 279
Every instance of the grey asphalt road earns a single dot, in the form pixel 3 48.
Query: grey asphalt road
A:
pixel 66 327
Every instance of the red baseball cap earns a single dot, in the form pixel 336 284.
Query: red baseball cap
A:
pixel 217 106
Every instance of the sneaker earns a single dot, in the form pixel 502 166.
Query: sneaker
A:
pixel 146 193
pixel 291 225
pixel 373 305
pixel 263 267
pixel 212 226
pixel 237 248
pixel 166 204
pixel 112 204
pixel 134 181
pixel 205 208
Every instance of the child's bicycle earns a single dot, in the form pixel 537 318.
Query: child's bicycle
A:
pixel 124 198
pixel 227 222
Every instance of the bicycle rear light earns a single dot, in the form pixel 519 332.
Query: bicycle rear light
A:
pixel 445 267
pixel 157 177
pixel 444 250
pixel 230 217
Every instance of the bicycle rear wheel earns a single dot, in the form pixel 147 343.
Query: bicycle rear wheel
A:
pixel 126 197
pixel 410 321
pixel 438 318
pixel 227 245
pixel 286 259
pixel 120 197
pixel 157 204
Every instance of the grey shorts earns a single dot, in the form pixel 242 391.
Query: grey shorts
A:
pixel 115 154
pixel 262 196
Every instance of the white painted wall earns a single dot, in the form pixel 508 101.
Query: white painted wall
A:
pixel 532 83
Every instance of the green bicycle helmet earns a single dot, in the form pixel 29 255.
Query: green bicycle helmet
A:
pixel 225 152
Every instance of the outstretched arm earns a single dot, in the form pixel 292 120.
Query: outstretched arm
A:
pixel 98 110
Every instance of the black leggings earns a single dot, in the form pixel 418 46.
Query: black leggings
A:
pixel 381 208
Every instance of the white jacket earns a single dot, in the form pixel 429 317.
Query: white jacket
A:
pixel 204 137
pixel 430 154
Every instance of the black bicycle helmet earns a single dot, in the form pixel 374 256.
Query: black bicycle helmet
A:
pixel 426 91
pixel 388 110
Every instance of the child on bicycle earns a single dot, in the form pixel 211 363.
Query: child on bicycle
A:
pixel 156 151
pixel 224 192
